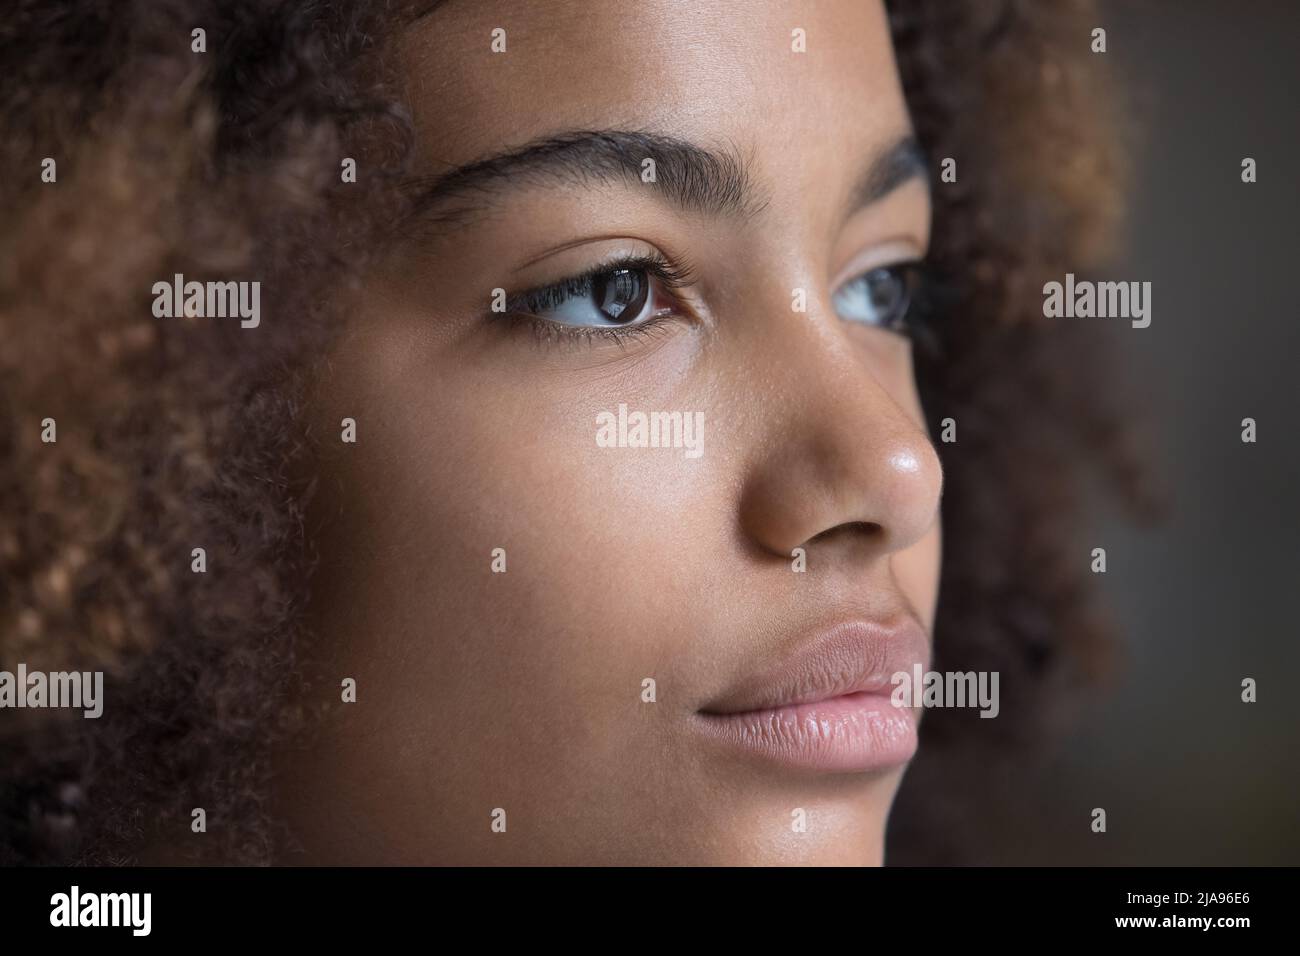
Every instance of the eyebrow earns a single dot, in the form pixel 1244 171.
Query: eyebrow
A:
pixel 713 182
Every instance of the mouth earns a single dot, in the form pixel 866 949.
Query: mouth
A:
pixel 827 707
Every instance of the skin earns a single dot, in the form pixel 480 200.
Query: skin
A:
pixel 522 690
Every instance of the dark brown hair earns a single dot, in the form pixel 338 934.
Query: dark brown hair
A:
pixel 173 436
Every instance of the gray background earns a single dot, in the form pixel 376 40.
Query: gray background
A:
pixel 1187 773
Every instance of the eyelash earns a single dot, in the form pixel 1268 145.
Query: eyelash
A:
pixel 521 308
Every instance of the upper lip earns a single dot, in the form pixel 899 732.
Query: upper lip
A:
pixel 851 655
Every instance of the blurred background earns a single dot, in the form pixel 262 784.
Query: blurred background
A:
pixel 1187 773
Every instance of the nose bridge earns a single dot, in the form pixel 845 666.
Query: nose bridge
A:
pixel 838 447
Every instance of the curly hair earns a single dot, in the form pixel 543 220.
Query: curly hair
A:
pixel 172 436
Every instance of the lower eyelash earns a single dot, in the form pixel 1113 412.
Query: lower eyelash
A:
pixel 550 333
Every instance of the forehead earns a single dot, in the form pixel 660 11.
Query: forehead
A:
pixel 717 72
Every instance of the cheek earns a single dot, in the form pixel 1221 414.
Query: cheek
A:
pixel 560 626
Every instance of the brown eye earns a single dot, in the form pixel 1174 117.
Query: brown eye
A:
pixel 621 294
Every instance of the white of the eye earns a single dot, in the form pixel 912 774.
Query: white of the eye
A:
pixel 853 301
pixel 849 301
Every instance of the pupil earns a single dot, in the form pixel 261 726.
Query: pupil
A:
pixel 622 295
pixel 888 292
pixel 884 291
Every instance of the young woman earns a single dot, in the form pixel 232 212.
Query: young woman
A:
pixel 562 478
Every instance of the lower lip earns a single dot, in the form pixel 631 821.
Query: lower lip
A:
pixel 852 733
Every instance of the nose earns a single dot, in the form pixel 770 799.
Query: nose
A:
pixel 839 452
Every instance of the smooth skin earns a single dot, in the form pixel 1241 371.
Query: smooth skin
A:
pixel 523 690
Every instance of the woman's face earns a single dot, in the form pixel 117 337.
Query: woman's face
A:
pixel 768 571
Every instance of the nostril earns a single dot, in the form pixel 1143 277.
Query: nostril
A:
pixel 848 528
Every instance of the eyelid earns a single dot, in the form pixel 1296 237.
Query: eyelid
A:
pixel 896 252
pixel 608 252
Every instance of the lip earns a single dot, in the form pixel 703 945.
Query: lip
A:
pixel 827 706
